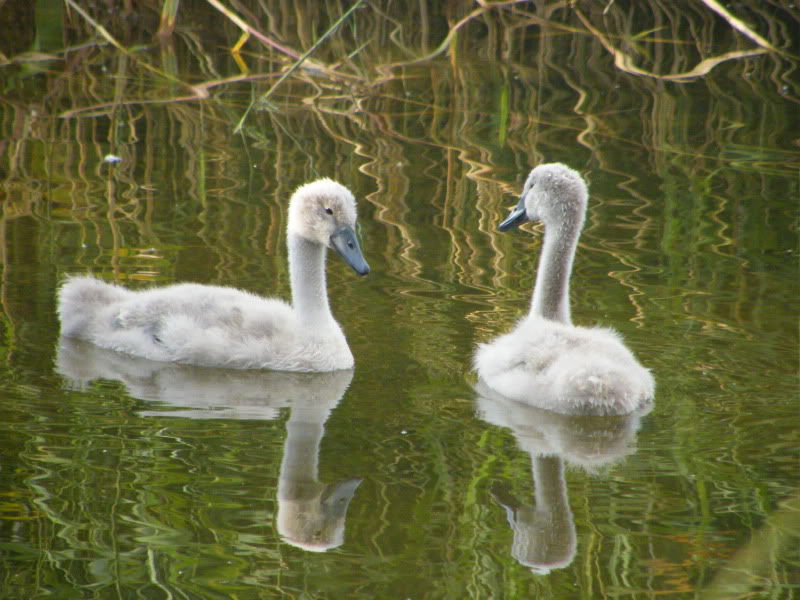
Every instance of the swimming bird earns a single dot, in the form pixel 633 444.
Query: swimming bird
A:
pixel 545 360
pixel 217 326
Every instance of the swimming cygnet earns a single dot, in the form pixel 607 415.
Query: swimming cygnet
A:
pixel 217 326
pixel 546 361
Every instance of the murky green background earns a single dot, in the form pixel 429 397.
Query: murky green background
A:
pixel 126 479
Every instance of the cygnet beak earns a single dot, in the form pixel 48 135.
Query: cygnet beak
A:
pixel 517 217
pixel 344 241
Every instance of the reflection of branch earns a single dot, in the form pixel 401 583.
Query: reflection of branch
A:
pixel 201 92
pixel 27 57
pixel 625 63
pixel 738 24
pixel 104 33
pixel 453 30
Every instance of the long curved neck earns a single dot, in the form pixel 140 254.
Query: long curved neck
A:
pixel 551 292
pixel 307 273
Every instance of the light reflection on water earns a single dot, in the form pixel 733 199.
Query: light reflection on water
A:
pixel 121 478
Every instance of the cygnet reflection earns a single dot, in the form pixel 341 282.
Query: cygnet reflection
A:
pixel 311 514
pixel 544 534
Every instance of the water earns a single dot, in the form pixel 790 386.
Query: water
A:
pixel 121 478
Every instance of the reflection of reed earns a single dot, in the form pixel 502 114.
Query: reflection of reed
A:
pixel 753 566
pixel 518 85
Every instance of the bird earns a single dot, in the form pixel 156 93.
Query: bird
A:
pixel 218 326
pixel 546 361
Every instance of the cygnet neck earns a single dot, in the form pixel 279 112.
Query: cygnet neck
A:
pixel 307 276
pixel 551 292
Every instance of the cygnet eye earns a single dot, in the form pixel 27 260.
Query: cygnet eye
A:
pixel 329 211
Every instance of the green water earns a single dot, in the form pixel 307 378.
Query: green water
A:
pixel 121 478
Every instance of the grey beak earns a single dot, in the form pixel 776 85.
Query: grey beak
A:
pixel 344 241
pixel 517 217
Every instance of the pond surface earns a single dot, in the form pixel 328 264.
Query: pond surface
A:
pixel 124 478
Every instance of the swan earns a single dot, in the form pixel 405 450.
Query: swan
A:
pixel 215 326
pixel 546 361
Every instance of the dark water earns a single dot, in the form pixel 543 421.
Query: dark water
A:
pixel 122 478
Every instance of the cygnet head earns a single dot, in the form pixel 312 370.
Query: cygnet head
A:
pixel 324 212
pixel 553 194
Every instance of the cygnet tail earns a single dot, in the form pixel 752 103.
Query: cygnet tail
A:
pixel 81 298
pixel 606 389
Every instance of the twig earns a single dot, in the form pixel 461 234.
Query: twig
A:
pixel 251 30
pixel 484 7
pixel 625 63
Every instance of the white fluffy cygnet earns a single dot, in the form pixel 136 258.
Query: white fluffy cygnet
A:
pixel 546 361
pixel 217 326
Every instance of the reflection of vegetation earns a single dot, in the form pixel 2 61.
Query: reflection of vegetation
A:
pixel 368 91
pixel 754 565
pixel 433 112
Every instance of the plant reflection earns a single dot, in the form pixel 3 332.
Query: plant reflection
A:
pixel 311 514
pixel 544 534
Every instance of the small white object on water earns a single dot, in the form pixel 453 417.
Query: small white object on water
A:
pixel 112 158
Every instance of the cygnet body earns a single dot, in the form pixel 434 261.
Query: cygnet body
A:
pixel 546 361
pixel 218 326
